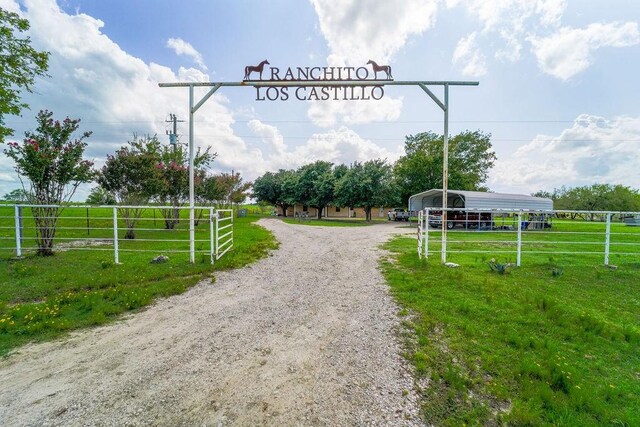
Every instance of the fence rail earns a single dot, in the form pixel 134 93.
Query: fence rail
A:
pixel 528 233
pixel 224 242
pixel 102 228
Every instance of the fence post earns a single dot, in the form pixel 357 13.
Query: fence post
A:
pixel 212 253
pixel 115 235
pixel 607 240
pixel 18 231
pixel 217 215
pixel 519 238
pixel 426 233
pixel 420 236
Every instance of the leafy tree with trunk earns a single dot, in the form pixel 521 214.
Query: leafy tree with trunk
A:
pixel 596 197
pixel 315 185
pixel 51 159
pixel 20 64
pixel 133 176
pixel 420 169
pixel 366 185
pixel 223 190
pixel 173 168
pixel 276 189
pixel 232 189
pixel 19 195
pixel 99 196
pixel 209 190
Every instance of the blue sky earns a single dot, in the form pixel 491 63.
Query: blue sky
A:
pixel 558 80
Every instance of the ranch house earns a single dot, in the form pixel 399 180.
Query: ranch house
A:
pixel 335 212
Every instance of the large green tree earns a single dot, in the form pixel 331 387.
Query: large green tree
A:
pixel 19 195
pixel 366 185
pixel 99 196
pixel 420 169
pixel 20 64
pixel 596 197
pixel 276 189
pixel 133 176
pixel 51 160
pixel 232 188
pixel 173 170
pixel 315 185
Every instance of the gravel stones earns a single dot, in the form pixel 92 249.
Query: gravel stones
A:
pixel 306 336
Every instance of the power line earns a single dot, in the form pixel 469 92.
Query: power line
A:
pixel 12 123
pixel 400 138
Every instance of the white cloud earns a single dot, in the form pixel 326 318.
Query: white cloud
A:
pixel 592 150
pixel 561 52
pixel 570 51
pixel 270 135
pixel 511 21
pixel 512 15
pixel 468 54
pixel 357 29
pixel 330 113
pixel 550 11
pixel 340 146
pixel 115 94
pixel 344 146
pixel 181 47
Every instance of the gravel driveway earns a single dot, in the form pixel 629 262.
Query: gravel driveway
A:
pixel 306 336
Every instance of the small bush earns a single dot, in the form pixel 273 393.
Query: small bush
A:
pixel 498 267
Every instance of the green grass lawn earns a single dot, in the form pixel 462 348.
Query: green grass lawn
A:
pixel 525 347
pixel 43 297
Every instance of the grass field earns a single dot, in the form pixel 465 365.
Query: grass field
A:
pixel 43 297
pixel 527 347
pixel 567 242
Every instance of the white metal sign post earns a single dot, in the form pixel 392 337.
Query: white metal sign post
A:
pixel 358 87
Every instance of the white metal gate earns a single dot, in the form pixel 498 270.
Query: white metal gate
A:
pixel 103 226
pixel 222 219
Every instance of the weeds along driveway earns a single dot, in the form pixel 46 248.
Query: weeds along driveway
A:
pixel 306 336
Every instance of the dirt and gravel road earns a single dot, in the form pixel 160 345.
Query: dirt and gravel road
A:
pixel 306 336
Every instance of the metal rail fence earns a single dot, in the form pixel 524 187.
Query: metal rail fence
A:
pixel 103 228
pixel 223 222
pixel 529 234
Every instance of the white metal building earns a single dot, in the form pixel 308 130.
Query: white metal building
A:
pixel 478 200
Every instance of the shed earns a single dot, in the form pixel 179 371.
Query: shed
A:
pixel 480 200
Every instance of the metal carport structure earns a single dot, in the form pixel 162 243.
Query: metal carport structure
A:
pixel 480 200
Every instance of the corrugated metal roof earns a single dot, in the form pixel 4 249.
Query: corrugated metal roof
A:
pixel 479 200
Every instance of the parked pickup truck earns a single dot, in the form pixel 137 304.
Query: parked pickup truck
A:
pixel 398 214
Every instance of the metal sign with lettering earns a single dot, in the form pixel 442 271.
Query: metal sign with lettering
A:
pixel 324 92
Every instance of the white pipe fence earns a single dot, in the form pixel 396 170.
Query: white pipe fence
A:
pixel 99 228
pixel 224 242
pixel 518 232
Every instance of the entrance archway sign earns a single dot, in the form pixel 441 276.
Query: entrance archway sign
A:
pixel 326 83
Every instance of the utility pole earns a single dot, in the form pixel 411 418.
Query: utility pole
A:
pixel 173 134
pixel 173 140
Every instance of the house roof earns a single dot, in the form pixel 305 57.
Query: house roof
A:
pixel 479 200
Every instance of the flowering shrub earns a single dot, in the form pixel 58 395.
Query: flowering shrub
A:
pixel 50 159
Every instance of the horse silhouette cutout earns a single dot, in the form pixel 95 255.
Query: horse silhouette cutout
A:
pixel 376 68
pixel 258 69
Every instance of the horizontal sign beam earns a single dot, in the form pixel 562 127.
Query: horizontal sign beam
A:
pixel 319 83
